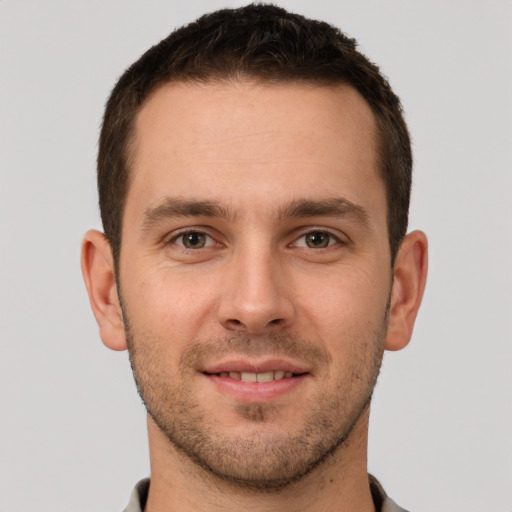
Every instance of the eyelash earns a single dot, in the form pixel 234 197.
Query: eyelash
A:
pixel 173 241
pixel 332 239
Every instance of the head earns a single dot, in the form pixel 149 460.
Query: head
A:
pixel 254 176
pixel 264 44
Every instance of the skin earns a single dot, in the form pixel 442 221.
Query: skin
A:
pixel 271 171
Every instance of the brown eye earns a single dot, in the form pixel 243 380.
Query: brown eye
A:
pixel 317 239
pixel 193 240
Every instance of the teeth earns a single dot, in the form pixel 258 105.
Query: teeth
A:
pixel 257 377
pixel 265 377
pixel 249 377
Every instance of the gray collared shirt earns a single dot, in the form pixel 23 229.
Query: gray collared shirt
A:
pixel 382 502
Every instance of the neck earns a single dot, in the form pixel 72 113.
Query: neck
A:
pixel 339 483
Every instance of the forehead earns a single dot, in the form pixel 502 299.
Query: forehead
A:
pixel 241 140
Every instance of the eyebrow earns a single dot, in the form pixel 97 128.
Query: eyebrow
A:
pixel 175 207
pixel 333 207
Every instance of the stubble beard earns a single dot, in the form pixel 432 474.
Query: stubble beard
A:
pixel 270 458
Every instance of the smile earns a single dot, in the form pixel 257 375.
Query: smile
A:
pixel 256 377
pixel 256 382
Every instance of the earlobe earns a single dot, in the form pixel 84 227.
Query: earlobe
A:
pixel 410 275
pixel 99 276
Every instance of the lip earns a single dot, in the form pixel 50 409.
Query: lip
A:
pixel 252 392
pixel 255 366
pixel 256 392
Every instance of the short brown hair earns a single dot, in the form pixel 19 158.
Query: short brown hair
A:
pixel 267 44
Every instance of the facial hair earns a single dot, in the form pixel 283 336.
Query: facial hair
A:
pixel 268 457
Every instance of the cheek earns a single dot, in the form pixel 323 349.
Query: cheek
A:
pixel 348 308
pixel 346 291
pixel 169 305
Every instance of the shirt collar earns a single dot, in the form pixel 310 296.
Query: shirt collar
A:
pixel 383 503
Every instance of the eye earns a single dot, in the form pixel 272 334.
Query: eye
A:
pixel 316 240
pixel 193 240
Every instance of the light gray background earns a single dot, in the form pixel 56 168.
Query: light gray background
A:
pixel 72 429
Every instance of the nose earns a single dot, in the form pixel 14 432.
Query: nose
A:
pixel 256 295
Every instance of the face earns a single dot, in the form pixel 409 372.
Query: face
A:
pixel 255 273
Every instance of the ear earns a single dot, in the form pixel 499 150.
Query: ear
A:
pixel 409 277
pixel 99 276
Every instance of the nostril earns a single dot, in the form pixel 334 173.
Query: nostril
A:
pixel 234 323
pixel 253 325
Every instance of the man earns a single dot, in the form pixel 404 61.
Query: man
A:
pixel 254 176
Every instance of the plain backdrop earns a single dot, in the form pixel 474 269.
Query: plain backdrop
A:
pixel 72 428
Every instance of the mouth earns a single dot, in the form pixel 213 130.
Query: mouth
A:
pixel 246 376
pixel 256 382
